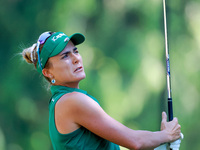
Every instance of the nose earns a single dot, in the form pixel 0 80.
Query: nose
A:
pixel 75 58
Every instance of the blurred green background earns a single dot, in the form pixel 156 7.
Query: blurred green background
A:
pixel 124 60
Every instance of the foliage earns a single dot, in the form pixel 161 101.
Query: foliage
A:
pixel 124 60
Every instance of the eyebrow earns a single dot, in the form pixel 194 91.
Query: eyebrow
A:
pixel 67 52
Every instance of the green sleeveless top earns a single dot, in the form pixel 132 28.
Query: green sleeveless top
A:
pixel 80 139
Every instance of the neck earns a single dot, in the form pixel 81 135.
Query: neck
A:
pixel 71 85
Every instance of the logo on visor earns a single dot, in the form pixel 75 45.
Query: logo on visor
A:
pixel 66 39
pixel 57 36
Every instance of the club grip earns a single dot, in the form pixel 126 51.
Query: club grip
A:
pixel 170 109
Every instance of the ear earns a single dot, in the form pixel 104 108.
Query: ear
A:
pixel 47 73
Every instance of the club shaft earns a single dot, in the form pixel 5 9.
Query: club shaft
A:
pixel 170 109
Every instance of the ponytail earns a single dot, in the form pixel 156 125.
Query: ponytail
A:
pixel 30 54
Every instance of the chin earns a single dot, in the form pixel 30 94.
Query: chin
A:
pixel 83 77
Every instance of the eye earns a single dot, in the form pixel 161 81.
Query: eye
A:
pixel 66 55
pixel 75 50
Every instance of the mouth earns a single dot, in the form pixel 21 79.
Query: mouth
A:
pixel 78 69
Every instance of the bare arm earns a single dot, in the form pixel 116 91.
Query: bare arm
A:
pixel 84 111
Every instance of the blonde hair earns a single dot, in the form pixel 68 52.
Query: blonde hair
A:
pixel 30 55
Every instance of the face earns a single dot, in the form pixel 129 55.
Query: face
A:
pixel 67 67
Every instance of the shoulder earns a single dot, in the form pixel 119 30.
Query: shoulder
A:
pixel 75 97
pixel 74 101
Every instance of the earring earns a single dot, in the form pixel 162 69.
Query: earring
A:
pixel 53 81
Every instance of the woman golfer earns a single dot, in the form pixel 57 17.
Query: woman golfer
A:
pixel 76 120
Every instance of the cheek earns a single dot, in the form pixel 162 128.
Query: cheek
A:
pixel 81 60
pixel 62 69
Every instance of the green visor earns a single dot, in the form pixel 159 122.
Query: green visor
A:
pixel 54 45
